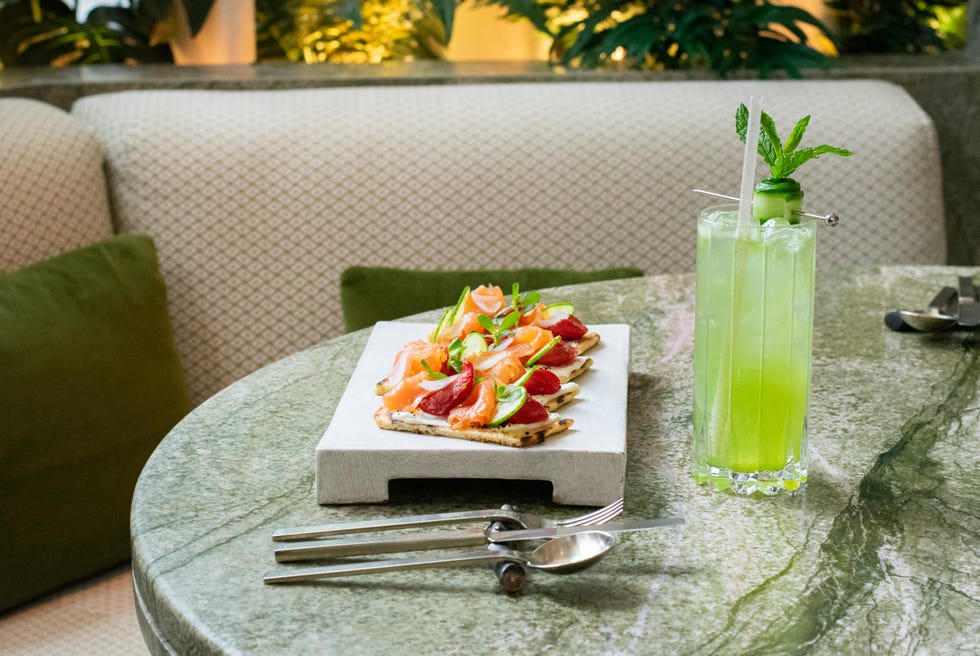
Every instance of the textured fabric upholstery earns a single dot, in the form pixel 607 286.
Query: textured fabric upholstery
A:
pixel 372 294
pixel 257 200
pixel 52 188
pixel 90 383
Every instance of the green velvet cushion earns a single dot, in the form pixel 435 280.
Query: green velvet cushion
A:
pixel 372 294
pixel 89 384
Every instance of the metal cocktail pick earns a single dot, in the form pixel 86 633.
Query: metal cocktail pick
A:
pixel 831 219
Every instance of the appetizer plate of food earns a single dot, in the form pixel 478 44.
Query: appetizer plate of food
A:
pixel 499 388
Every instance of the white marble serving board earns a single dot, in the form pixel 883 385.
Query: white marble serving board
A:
pixel 586 464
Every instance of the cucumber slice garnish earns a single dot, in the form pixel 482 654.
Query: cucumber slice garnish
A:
pixel 449 316
pixel 459 304
pixel 779 198
pixel 526 377
pixel 540 354
pixel 564 308
pixel 473 344
pixel 443 322
pixel 509 402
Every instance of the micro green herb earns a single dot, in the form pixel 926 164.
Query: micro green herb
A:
pixel 502 328
pixel 783 159
pixel 525 302
pixel 456 349
pixel 435 375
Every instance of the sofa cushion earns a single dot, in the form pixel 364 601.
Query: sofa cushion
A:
pixel 89 382
pixel 372 294
pixel 51 181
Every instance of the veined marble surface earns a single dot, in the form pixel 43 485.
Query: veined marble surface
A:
pixel 881 554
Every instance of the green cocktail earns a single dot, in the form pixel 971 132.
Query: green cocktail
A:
pixel 753 334
pixel 752 351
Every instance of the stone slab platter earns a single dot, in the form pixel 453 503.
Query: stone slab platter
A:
pixel 356 460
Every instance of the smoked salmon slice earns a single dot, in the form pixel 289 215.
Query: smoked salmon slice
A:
pixel 478 409
pixel 408 362
pixel 406 394
pixel 528 340
pixel 485 300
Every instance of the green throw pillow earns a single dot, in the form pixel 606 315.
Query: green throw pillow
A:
pixel 89 384
pixel 372 294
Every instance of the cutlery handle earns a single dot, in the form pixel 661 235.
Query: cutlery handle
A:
pixel 363 546
pixel 967 290
pixel 945 296
pixel 968 313
pixel 324 530
pixel 394 565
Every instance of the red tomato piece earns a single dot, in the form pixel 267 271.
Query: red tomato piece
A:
pixel 568 328
pixel 543 381
pixel 439 402
pixel 530 413
pixel 559 355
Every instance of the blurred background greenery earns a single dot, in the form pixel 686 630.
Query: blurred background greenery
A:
pixel 718 35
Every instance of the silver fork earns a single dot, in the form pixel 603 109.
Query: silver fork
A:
pixel 522 519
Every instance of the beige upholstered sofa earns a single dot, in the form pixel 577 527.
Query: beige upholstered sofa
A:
pixel 257 200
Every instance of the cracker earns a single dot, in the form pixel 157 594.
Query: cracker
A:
pixel 513 436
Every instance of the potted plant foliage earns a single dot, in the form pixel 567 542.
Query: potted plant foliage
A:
pixel 720 35
pixel 49 32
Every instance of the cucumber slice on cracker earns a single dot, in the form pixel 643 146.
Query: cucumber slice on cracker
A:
pixel 563 308
pixel 508 403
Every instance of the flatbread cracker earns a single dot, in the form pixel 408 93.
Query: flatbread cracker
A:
pixel 514 436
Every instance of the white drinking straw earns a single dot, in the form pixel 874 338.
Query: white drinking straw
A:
pixel 748 162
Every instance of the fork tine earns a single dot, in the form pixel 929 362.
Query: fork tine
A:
pixel 600 516
pixel 597 518
pixel 608 513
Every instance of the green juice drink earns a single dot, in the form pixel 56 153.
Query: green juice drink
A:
pixel 753 334
pixel 752 351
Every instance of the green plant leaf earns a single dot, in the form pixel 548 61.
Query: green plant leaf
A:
pixel 487 323
pixel 783 160
pixel 793 140
pixel 587 37
pixel 792 161
pixel 527 9
pixel 445 11
pixel 350 10
pixel 770 146
pixel 197 13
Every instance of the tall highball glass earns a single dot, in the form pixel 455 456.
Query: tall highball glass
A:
pixel 753 344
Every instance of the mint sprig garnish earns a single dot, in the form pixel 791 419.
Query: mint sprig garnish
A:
pixel 783 159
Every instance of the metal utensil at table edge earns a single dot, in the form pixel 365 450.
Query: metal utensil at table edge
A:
pixel 968 311
pixel 511 576
pixel 508 514
pixel 362 546
pixel 933 319
pixel 561 555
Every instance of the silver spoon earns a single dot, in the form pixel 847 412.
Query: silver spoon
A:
pixel 932 319
pixel 563 555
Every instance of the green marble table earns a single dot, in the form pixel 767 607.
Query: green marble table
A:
pixel 880 554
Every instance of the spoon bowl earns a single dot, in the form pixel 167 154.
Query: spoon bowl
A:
pixel 570 553
pixel 563 555
pixel 927 321
pixel 930 320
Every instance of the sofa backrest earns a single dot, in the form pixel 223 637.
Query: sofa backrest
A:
pixel 258 200
pixel 52 187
